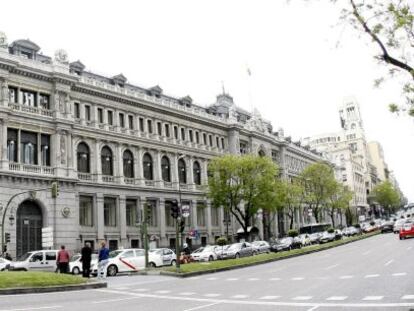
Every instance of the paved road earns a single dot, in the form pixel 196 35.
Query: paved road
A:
pixel 373 274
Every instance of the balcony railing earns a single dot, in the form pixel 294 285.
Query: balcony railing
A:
pixel 168 184
pixel 30 109
pixel 85 176
pixel 149 183
pixel 129 181
pixel 108 179
pixel 30 168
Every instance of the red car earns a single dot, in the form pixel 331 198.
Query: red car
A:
pixel 407 230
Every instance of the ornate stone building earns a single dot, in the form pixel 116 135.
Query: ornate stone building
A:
pixel 112 147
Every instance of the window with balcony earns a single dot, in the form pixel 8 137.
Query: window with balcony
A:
pixel 44 101
pixel 182 172
pixel 210 140
pixel 12 145
pixel 152 214
pixel 147 163
pixel 131 212
pixel 165 169
pixel 110 117
pixel 83 158
pixel 87 112
pixel 28 98
pixel 77 110
pixel 159 128
pixel 182 133
pixel 167 130
pixel 28 147
pixel 86 211
pixel 149 124
pixel 201 214
pixel 100 116
pixel 141 124
pixel 197 173
pixel 45 149
pixel 128 161
pixel 197 136
pixel 190 134
pixel 131 122
pixel 110 218
pixel 13 95
pixel 204 138
pixel 122 120
pixel 215 216
pixel 106 161
pixel 175 132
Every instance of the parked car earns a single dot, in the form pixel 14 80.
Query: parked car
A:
pixel 315 237
pixel 387 226
pixel 124 260
pixel 44 260
pixel 284 244
pixel 407 231
pixel 305 239
pixel 4 264
pixel 207 253
pixel 398 225
pixel 338 234
pixel 238 250
pixel 160 257
pixel 327 237
pixel 350 231
pixel 260 247
pixel 75 265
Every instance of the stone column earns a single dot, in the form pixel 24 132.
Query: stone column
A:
pixel 122 220
pixel 194 213
pixel 100 215
pixel 119 164
pixel 234 141
pixel 161 213
pixel 157 170
pixel 190 177
pixel 140 172
pixel 204 172
pixel 4 160
pixel 208 222
pixel 71 153
pixel 82 114
pixel 282 162
pixel 19 132
pixel 94 115
pixel 174 170
pixel 4 92
pixel 96 157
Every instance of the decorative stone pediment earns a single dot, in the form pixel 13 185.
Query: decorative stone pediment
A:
pixel 25 44
pixel 119 79
pixel 155 90
pixel 187 100
pixel 77 66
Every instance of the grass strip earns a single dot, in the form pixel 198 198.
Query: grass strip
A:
pixel 24 279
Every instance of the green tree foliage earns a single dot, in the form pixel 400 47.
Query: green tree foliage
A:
pixel 292 196
pixel 386 196
pixel 320 185
pixel 243 185
pixel 293 233
pixel 338 201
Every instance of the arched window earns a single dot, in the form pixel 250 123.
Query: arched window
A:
pixel 83 157
pixel 106 161
pixel 262 153
pixel 128 161
pixel 147 163
pixel 197 173
pixel 182 173
pixel 165 169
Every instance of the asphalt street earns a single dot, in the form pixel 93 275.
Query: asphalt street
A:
pixel 372 274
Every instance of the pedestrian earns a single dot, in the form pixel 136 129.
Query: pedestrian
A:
pixel 63 260
pixel 86 253
pixel 102 260
pixel 8 257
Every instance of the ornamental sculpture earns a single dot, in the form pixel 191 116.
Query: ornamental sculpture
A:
pixel 61 56
pixel 3 40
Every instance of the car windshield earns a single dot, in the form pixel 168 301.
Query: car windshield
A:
pixel 75 258
pixel 234 246
pixel 156 251
pixel 113 254
pixel 285 240
pixel 25 256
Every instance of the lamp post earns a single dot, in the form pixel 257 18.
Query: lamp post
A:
pixel 178 220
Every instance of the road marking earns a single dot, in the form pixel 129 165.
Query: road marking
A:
pixel 114 300
pixel 162 292
pixel 313 308
pixel 407 297
pixel 322 277
pixel 302 298
pixel 389 262
pixel 253 279
pixel 369 276
pixel 337 298
pixel 275 279
pixel 211 295
pixel 409 247
pixel 211 279
pixel 344 277
pixel 297 279
pixel 141 289
pixel 269 297
pixel 203 306
pixel 331 267
pixel 232 279
pixel 186 293
pixel 31 308
pixel 372 298
pixel 239 296
pixel 122 288
pixel 366 253
pixel 399 274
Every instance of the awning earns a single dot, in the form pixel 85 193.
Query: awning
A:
pixel 240 230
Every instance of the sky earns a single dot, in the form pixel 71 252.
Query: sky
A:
pixel 303 62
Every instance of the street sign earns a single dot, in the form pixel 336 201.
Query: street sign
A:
pixel 185 211
pixel 47 237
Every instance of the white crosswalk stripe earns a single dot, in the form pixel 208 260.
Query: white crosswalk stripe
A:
pixel 369 276
pixel 269 297
pixel 297 279
pixel 372 298
pixel 337 298
pixel 399 274
pixel 239 296
pixel 406 297
pixel 232 279
pixel 302 298
pixel 211 295
pixel 253 279
pixel 275 279
pixel 344 277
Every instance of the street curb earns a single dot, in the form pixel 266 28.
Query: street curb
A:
pixel 50 289
pixel 197 273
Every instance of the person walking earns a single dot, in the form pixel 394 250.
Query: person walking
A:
pixel 86 258
pixel 103 260
pixel 63 260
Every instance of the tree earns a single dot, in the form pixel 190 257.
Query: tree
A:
pixel 292 196
pixel 320 184
pixel 243 185
pixel 390 26
pixel 339 201
pixel 386 196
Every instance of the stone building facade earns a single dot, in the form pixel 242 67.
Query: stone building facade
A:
pixel 113 147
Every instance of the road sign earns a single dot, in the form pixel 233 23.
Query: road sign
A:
pixel 47 237
pixel 185 211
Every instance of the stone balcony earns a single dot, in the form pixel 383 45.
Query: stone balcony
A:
pixel 31 110
pixel 30 168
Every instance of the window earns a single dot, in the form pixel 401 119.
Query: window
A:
pixel 113 245
pixel 100 115
pixel 169 220
pixel 204 138
pixel 152 215
pixel 83 158
pixel 128 161
pixel 215 216
pixel 28 98
pixel 197 136
pixel 210 140
pixel 12 95
pixel 175 132
pixel 45 149
pixel 134 243
pixel 50 256
pixel 110 117
pixel 190 133
pixel 37 257
pixel 167 130
pixel 165 169
pixel 147 163
pixel 12 145
pixel 131 212
pixel 197 173
pixel 149 124
pixel 159 128
pixel 44 101
pixel 28 148
pixel 243 148
pixel 182 174
pixel 131 122
pixel 87 112
pixel 85 211
pixel 77 111
pixel 222 143
pixel 217 142
pixel 128 254
pixel 122 120
pixel 141 124
pixel 182 134
pixel 110 212
pixel 201 215
pixel 106 161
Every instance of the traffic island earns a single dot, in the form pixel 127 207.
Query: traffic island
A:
pixel 194 269
pixel 22 282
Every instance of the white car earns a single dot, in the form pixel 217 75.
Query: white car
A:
pixel 75 265
pixel 161 257
pixel 4 264
pixel 207 253
pixel 44 260
pixel 124 260
pixel 305 239
pixel 398 225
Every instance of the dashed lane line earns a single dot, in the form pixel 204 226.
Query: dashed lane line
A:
pixel 114 300
pixel 331 267
pixel 345 277
pixel 141 289
pixel 389 262
pixel 336 298
pixel 232 279
pixel 366 253
pixel 239 296
pixel 275 279
pixel 269 297
pixel 407 297
pixel 162 292
pixel 399 274
pixel 370 276
pixel 302 298
pixel 253 279
pixel 297 279
pixel 211 279
pixel 372 298
pixel 409 247
pixel 313 308
pixel 186 293
pixel 203 306
pixel 211 295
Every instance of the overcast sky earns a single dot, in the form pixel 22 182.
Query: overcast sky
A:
pixel 303 63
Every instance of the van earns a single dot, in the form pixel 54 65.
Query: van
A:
pixel 44 260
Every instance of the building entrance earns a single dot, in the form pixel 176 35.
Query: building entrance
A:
pixel 28 228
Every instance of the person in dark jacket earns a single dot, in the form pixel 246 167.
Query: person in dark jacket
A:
pixel 86 258
pixel 103 260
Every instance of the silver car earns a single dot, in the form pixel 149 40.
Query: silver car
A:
pixel 260 247
pixel 238 250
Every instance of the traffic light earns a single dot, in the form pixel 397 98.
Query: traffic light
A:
pixel 175 211
pixel 7 237
pixel 55 190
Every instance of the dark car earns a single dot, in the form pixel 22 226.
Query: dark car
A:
pixel 284 244
pixel 387 227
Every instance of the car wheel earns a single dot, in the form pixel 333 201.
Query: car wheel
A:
pixel 75 271
pixel 112 270
pixel 211 258
pixel 173 262
pixel 152 265
pixel 237 256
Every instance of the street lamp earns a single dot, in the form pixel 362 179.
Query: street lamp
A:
pixel 178 219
